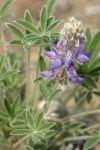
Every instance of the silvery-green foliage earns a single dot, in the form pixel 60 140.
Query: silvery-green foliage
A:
pixel 34 127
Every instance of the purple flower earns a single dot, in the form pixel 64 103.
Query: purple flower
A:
pixel 80 55
pixel 68 51
pixel 49 74
pixel 73 78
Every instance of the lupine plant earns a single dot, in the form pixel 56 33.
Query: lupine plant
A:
pixel 73 68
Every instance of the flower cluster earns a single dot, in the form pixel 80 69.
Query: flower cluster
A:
pixel 68 52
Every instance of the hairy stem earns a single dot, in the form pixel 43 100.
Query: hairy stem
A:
pixel 91 127
pixel 81 115
pixel 76 138
pixel 20 141
pixel 28 78
pixel 36 90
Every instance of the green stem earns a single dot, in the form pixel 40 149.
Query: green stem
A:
pixel 76 138
pixel 91 128
pixel 36 90
pixel 37 69
pixel 20 141
pixel 28 78
pixel 80 115
pixel 76 116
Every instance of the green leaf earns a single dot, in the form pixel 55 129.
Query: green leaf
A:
pixel 7 106
pixel 2 60
pixel 35 138
pixel 50 7
pixel 3 115
pixel 95 69
pixel 97 93
pixel 94 64
pixel 93 48
pixel 91 143
pixel 54 95
pixel 53 25
pixel 29 27
pixel 50 134
pixel 31 36
pixel 55 34
pixel 15 105
pixel 7 74
pixel 43 91
pixel 15 30
pixel 39 119
pixel 50 20
pixel 89 38
pixel 18 124
pixel 30 119
pixel 5 6
pixel 42 64
pixel 28 148
pixel 28 16
pixel 89 97
pixel 19 112
pixel 91 82
pixel 43 18
pixel 5 15
pixel 21 132
pixel 15 43
pixel 46 126
pixel 38 79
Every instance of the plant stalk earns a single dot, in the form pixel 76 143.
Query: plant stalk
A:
pixel 36 90
pixel 20 141
pixel 28 78
pixel 81 115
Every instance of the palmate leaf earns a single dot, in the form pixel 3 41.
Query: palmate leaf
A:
pixel 6 15
pixel 2 60
pixel 5 7
pixel 94 64
pixel 28 26
pixel 43 18
pixel 97 93
pixel 27 16
pixel 7 106
pixel 15 105
pixel 3 115
pixel 30 120
pixel 90 82
pixel 18 123
pixel 43 91
pixel 50 20
pixel 94 46
pixel 39 119
pixel 42 64
pixel 50 7
pixel 46 126
pixel 89 38
pixel 53 25
pixel 28 148
pixel 15 43
pixel 54 95
pixel 92 142
pixel 15 30
pixel 7 74
pixel 89 97
pixel 19 132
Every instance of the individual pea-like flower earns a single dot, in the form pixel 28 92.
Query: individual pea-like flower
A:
pixel 66 55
